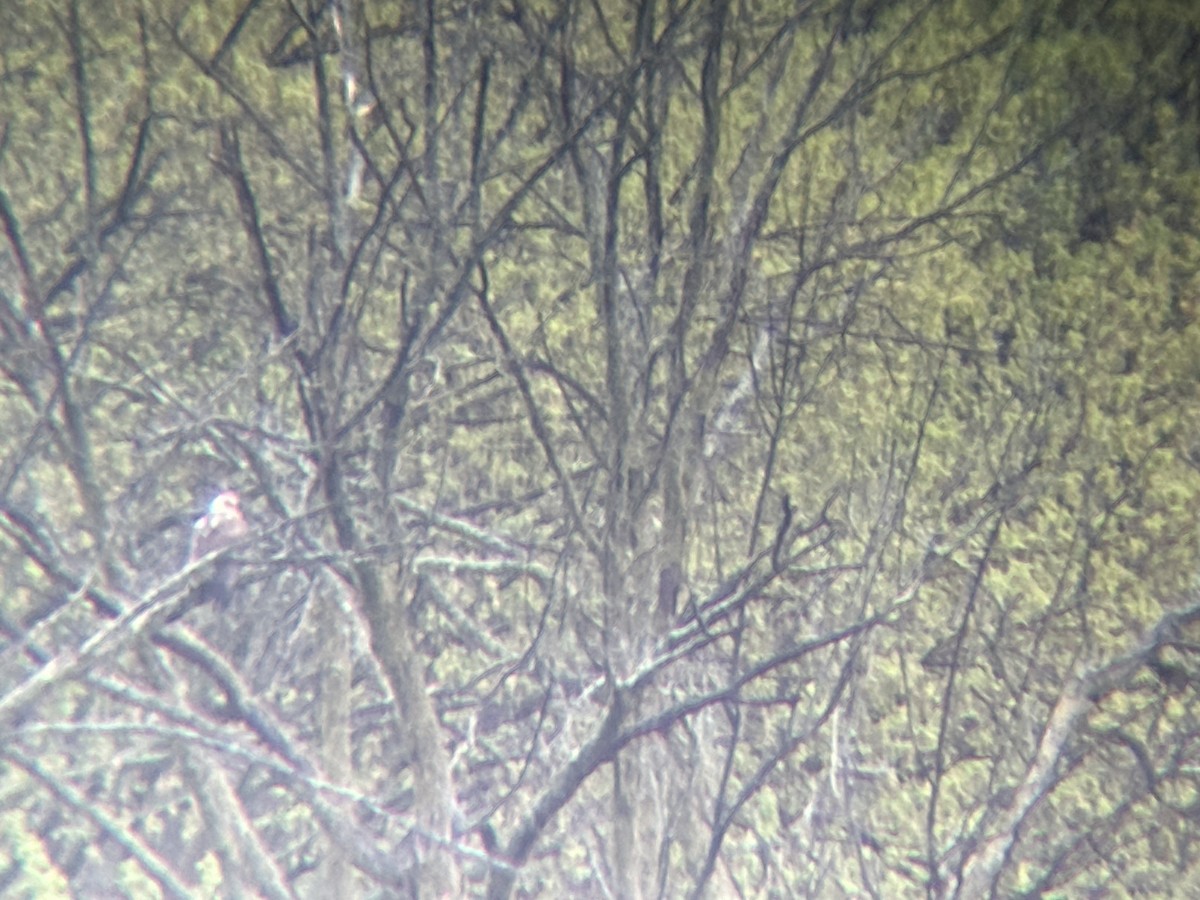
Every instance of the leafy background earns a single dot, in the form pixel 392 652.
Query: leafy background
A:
pixel 692 449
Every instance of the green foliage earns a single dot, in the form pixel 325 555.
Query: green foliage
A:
pixel 872 327
pixel 37 875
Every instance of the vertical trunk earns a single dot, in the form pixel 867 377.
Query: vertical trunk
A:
pixel 333 729
pixel 391 642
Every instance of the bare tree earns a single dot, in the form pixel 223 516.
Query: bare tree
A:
pixel 685 449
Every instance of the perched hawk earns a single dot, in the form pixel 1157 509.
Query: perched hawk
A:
pixel 217 529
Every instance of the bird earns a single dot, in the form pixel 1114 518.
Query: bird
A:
pixel 220 527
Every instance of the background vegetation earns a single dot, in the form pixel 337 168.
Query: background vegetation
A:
pixel 716 448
